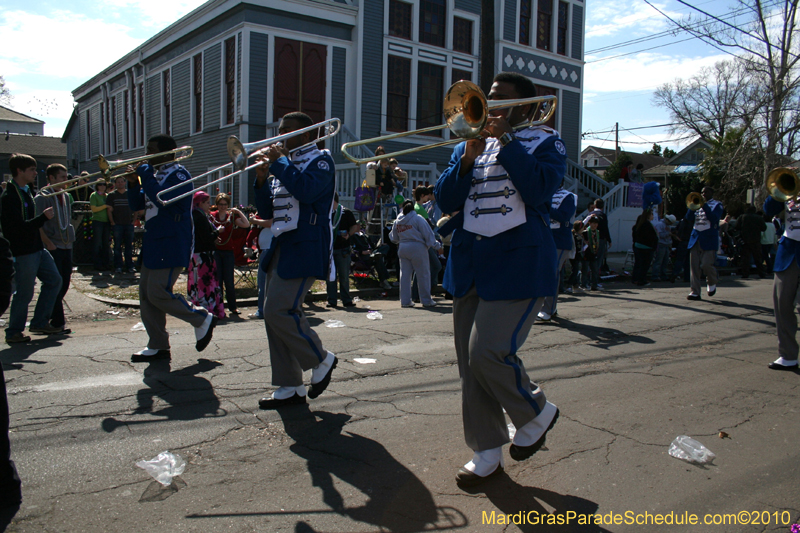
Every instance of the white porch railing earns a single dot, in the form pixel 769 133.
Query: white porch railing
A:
pixel 349 177
pixel 585 183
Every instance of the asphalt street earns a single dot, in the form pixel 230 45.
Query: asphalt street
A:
pixel 630 370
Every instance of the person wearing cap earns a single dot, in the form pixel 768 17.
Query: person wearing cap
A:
pixel 661 262
pixel 203 285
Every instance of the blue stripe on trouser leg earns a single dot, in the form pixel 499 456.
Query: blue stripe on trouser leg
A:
pixel 180 297
pixel 513 361
pixel 296 317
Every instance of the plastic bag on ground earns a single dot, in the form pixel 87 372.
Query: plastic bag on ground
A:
pixel 138 327
pixel 374 315
pixel 164 467
pixel 334 324
pixel 688 449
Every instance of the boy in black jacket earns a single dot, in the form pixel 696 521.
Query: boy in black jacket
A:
pixel 21 227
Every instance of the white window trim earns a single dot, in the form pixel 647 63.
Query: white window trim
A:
pixel 476 33
pixel 192 114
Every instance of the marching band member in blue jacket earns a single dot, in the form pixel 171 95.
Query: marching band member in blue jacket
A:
pixel 704 242
pixel 502 264
pixel 166 249
pixel 299 202
pixel 787 282
pixel 561 212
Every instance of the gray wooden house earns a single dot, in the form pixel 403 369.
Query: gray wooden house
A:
pixel 235 67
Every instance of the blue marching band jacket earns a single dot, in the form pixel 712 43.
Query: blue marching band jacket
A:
pixel 789 245
pixel 502 241
pixel 561 212
pixel 169 230
pixel 706 225
pixel 299 201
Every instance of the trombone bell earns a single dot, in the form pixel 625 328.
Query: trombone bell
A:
pixel 694 201
pixel 783 184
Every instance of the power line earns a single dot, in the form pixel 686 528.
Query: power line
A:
pixel 631 129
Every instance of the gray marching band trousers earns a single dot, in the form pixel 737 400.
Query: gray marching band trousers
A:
pixel 784 299
pixel 156 301
pixel 487 337
pixel 702 260
pixel 550 305
pixel 293 345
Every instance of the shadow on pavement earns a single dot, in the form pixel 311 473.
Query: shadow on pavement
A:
pixel 397 499
pixel 531 507
pixel 13 355
pixel 604 337
pixel 189 395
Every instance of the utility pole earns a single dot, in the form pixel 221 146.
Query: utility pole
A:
pixel 616 142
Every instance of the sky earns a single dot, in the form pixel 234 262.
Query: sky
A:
pixel 50 48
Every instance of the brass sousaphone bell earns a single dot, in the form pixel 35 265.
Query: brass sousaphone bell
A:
pixel 782 184
pixel 694 201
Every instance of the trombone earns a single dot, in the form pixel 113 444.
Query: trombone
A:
pixel 240 153
pixel 783 184
pixel 108 167
pixel 466 111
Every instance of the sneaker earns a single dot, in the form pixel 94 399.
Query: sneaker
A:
pixel 712 290
pixel 693 296
pixel 543 317
pixel 17 338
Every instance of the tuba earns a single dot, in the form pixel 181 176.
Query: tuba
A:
pixel 694 201
pixel 782 184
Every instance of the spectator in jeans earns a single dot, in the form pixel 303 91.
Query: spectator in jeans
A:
pixel 21 227
pixel 58 235
pixel 344 225
pixel 661 260
pixel 101 236
pixel 751 225
pixel 590 264
pixel 120 217
pixel 577 257
pixel 645 242
pixel 605 235
pixel 227 219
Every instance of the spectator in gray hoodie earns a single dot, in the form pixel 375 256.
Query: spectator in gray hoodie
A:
pixel 415 236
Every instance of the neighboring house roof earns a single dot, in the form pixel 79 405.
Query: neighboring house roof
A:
pixel 699 143
pixel 10 114
pixel 659 170
pixel 647 160
pixel 33 145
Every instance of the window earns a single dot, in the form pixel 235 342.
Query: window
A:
pixel 197 92
pixel 561 37
pixel 113 117
pixel 165 102
pixel 103 127
pixel 525 11
pixel 462 35
pixel 397 93
pixel 595 163
pixel 88 154
pixel 544 24
pixel 430 96
pixel 431 22
pixel 126 113
pixel 459 75
pixel 585 163
pixel 230 80
pixel 133 117
pixel 399 19
pixel 141 114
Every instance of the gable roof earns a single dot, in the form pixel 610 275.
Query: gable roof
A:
pixel 34 145
pixel 10 114
pixel 647 160
pixel 699 143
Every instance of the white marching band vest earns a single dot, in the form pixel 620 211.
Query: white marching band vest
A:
pixel 285 207
pixel 493 204
pixel 792 230
pixel 558 198
pixel 701 222
pixel 151 207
